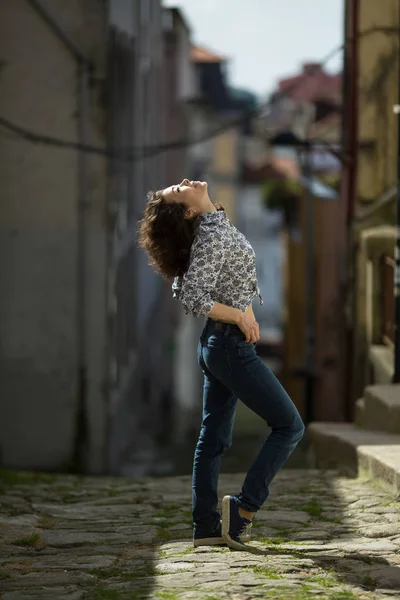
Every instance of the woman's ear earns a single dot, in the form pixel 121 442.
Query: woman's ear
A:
pixel 189 213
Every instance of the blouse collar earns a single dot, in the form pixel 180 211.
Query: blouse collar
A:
pixel 216 216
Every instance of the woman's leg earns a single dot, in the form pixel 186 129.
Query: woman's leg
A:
pixel 249 379
pixel 219 408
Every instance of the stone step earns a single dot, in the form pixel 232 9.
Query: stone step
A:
pixel 381 410
pixel 356 451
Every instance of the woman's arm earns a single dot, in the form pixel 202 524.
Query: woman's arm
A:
pixel 207 256
pixel 228 314
pixel 198 283
pixel 244 320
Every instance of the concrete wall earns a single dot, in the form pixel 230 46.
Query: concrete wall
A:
pixel 143 318
pixel 378 67
pixel 373 244
pixel 38 241
pixel 378 85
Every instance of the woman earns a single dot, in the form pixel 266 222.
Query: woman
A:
pixel 191 241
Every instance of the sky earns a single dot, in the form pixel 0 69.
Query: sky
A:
pixel 266 40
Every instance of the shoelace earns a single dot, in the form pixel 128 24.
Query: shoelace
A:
pixel 246 529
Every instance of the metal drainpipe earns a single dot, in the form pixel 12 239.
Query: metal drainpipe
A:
pixel 343 274
pixel 85 68
pixel 351 149
pixel 353 113
pixel 81 426
pixel 396 375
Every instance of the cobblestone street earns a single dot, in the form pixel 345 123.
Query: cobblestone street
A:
pixel 318 535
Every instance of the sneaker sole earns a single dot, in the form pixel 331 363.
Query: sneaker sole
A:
pixel 225 525
pixel 211 541
pixel 245 537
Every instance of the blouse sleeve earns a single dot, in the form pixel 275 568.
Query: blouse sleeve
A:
pixel 194 289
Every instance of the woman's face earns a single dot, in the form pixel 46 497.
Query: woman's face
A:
pixel 193 194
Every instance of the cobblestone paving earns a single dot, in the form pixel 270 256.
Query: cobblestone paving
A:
pixel 318 535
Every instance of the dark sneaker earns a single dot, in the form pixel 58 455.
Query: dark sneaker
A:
pixel 215 537
pixel 209 539
pixel 234 527
pixel 247 532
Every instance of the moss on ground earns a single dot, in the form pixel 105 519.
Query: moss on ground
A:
pixel 313 508
pixel 34 540
pixel 4 575
pixel 103 594
pixel 9 477
pixel 46 521
pixel 266 572
pixel 327 581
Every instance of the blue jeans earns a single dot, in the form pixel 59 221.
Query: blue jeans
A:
pixel 232 369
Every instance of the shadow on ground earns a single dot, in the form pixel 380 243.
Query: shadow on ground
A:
pixel 87 538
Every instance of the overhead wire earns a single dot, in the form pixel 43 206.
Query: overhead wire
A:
pixel 146 151
pixel 361 34
pixel 134 153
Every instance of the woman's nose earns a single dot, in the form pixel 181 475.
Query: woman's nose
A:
pixel 185 182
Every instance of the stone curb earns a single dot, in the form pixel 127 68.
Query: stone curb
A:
pixel 354 450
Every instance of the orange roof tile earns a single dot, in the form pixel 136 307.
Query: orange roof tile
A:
pixel 201 54
pixel 313 83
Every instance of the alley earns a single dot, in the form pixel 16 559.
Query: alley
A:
pixel 96 538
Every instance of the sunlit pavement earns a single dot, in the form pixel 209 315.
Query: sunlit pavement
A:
pixel 318 535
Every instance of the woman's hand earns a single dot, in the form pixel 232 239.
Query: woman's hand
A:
pixel 244 320
pixel 248 325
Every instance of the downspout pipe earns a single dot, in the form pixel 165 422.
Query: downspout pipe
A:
pixel 350 146
pixel 353 110
pixel 81 425
pixel 85 70
pixel 396 374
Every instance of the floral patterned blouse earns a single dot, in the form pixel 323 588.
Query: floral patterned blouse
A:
pixel 222 268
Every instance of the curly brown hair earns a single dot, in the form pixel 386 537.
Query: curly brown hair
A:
pixel 166 235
